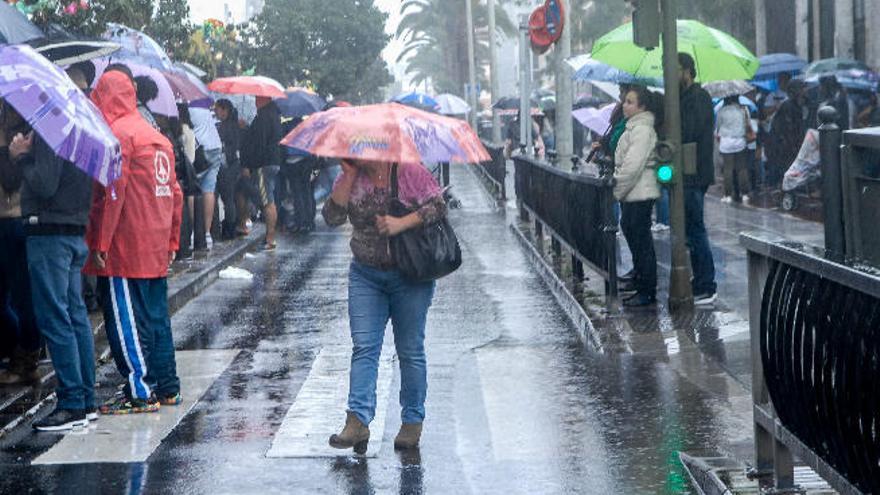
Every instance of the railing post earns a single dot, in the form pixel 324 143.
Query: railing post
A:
pixel 539 235
pixel 501 164
pixel 832 187
pixel 444 170
pixel 199 240
pixel 612 299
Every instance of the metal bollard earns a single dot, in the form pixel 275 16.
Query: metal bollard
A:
pixel 832 192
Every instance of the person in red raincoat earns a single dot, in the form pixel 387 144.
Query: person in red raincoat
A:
pixel 133 232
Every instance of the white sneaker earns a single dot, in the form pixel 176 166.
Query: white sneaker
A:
pixel 745 198
pixel 705 299
pixel 209 241
pixel 659 227
pixel 727 199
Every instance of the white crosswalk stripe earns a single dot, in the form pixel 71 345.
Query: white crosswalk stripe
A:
pixel 134 437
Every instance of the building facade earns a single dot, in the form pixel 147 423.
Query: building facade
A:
pixel 816 29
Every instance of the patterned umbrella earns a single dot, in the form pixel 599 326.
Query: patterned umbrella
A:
pixel 723 89
pixel 387 132
pixel 59 112
pixel 588 70
pixel 138 46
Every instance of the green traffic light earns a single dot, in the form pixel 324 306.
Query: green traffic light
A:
pixel 665 173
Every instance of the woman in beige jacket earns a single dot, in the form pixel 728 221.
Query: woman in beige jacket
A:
pixel 636 188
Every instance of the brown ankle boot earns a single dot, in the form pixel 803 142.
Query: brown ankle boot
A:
pixel 22 368
pixel 408 436
pixel 354 434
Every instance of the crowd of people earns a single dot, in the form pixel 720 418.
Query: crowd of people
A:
pixel 71 245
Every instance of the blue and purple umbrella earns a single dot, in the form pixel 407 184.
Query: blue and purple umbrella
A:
pixel 138 46
pixel 59 112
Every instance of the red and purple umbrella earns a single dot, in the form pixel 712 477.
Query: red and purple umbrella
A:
pixel 387 132
pixel 164 103
pixel 59 112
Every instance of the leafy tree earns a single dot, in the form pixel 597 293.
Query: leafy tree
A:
pixel 334 45
pixel 436 41
pixel 171 27
pixel 92 17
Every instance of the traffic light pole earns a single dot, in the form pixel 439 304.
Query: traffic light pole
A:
pixel 680 292
pixel 493 74
pixel 473 97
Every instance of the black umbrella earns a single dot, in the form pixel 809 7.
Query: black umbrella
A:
pixel 15 27
pixel 65 48
pixel 510 105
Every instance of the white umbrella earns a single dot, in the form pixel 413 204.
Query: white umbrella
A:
pixel 452 105
pixel 723 89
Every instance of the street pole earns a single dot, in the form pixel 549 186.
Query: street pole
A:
pixel 525 74
pixel 564 131
pixel 493 74
pixel 680 292
pixel 472 71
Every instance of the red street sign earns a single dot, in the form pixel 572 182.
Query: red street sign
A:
pixel 546 24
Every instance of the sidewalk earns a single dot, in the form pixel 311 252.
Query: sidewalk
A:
pixel 188 278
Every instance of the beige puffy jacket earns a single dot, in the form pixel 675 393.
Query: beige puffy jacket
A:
pixel 635 161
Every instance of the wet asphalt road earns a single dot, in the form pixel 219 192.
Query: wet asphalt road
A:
pixel 515 404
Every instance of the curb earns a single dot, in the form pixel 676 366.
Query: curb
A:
pixel 576 314
pixel 180 291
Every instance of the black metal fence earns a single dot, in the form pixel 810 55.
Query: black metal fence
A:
pixel 578 212
pixel 494 172
pixel 815 328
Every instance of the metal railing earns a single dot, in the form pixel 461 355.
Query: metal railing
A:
pixel 577 211
pixel 815 334
pixel 860 181
pixel 494 172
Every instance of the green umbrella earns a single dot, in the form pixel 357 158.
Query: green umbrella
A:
pixel 718 56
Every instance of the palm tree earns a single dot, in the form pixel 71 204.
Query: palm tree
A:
pixel 435 35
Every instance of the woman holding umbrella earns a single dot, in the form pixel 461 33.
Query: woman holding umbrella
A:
pixel 377 292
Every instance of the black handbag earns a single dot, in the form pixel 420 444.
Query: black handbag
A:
pixel 427 252
pixel 201 163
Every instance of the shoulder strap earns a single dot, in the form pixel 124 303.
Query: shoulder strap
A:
pixel 394 181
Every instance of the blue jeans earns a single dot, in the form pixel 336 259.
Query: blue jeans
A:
pixel 702 263
pixel 374 296
pixel 15 285
pixel 139 332
pixel 662 206
pixel 55 264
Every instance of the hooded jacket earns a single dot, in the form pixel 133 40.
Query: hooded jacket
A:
pixel 634 160
pixel 135 220
pixel 260 146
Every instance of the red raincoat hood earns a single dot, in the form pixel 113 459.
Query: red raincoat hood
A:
pixel 114 96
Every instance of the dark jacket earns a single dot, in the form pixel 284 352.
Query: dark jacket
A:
pixel 787 133
pixel 261 147
pixel 230 136
pixel 697 126
pixel 54 190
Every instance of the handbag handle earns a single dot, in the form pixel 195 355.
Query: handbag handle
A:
pixel 394 181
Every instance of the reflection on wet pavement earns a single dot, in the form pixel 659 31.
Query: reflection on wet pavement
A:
pixel 515 404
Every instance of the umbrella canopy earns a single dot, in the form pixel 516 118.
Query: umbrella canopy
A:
pixel 509 105
pixel 192 69
pixel 65 48
pixel 418 100
pixel 185 89
pixel 850 79
pixel 752 106
pixel 723 89
pixel 15 27
pixel 387 132
pixel 595 119
pixel 452 105
pixel 587 70
pixel 300 102
pixel 164 103
pixel 778 63
pixel 138 45
pixel 718 56
pixel 829 65
pixel 59 112
pixel 248 85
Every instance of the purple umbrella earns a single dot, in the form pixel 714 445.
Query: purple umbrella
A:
pixel 164 103
pixel 595 119
pixel 59 112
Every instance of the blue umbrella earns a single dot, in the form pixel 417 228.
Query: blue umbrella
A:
pixel 417 99
pixel 138 45
pixel 299 103
pixel 15 27
pixel 719 102
pixel 778 63
pixel 586 69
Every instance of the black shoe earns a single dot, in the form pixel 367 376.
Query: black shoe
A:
pixel 62 419
pixel 640 300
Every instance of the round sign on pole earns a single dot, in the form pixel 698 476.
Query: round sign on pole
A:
pixel 546 24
